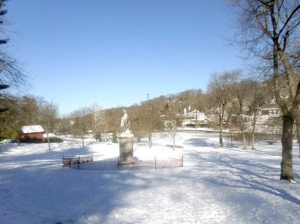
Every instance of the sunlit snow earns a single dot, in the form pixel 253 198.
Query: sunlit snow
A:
pixel 229 185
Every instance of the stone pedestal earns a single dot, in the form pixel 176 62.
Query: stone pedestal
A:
pixel 126 150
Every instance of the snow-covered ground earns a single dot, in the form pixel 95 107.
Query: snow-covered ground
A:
pixel 229 185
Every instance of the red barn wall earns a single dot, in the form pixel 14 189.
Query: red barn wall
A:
pixel 31 137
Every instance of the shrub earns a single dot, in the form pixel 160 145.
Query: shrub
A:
pixel 53 140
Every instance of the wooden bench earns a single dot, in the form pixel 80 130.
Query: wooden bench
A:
pixel 76 160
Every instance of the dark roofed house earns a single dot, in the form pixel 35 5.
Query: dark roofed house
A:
pixel 31 133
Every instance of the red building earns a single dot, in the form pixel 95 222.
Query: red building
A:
pixel 31 133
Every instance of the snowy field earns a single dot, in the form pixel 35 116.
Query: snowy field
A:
pixel 229 185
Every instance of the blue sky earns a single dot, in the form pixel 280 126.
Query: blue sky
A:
pixel 114 52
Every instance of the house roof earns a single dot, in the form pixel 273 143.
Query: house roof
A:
pixel 270 106
pixel 32 129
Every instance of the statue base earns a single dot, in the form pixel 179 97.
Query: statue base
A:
pixel 126 150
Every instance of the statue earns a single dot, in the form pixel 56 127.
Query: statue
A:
pixel 125 122
pixel 125 141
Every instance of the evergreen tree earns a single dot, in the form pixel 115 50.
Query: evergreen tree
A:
pixel 2 107
pixel 10 73
pixel 2 42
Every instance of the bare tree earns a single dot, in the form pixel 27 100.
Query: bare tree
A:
pixel 298 131
pixel 48 118
pixel 98 121
pixel 10 73
pixel 241 91
pixel 248 97
pixel 145 120
pixel 83 120
pixel 257 97
pixel 220 91
pixel 2 96
pixel 171 127
pixel 28 110
pixel 112 119
pixel 270 31
pixel 170 117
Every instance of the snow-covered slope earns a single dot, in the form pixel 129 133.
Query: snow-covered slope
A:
pixel 215 185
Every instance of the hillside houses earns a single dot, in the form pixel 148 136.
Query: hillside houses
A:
pixel 270 109
pixel 193 118
pixel 267 119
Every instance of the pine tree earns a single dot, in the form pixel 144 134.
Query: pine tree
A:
pixel 3 108
pixel 10 73
pixel 2 42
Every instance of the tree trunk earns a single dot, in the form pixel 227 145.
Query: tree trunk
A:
pixel 221 134
pixel 287 148
pixel 150 140
pixel 83 139
pixel 19 141
pixel 298 131
pixel 221 118
pixel 275 127
pixel 48 141
pixel 242 131
pixel 253 130
pixel 196 121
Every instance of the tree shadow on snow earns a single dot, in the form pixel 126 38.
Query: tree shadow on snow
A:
pixel 237 173
pixel 201 142
pixel 71 195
